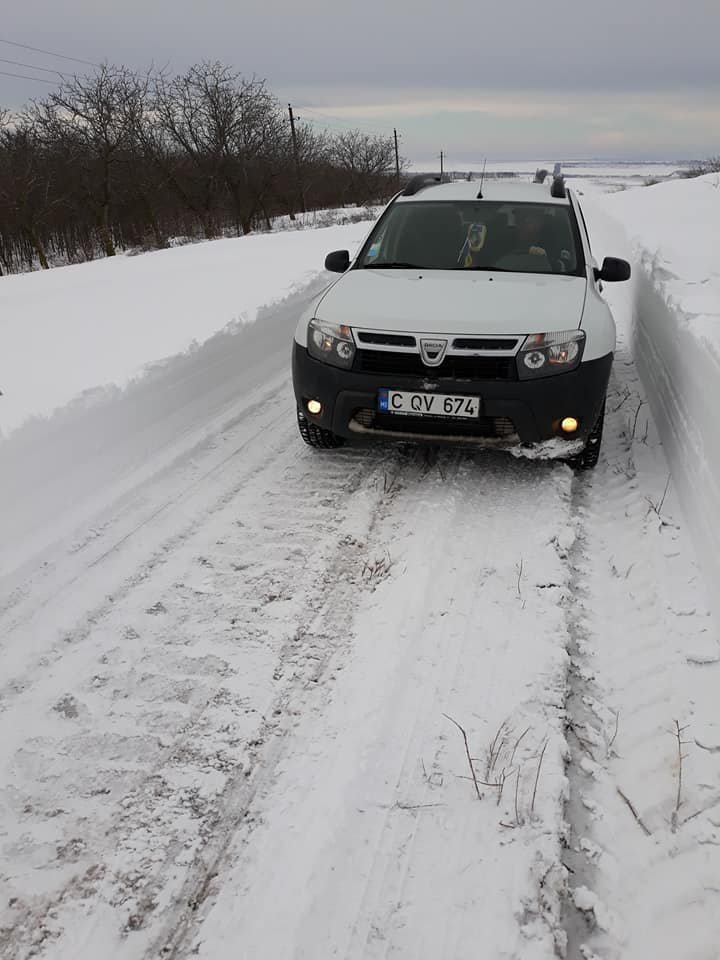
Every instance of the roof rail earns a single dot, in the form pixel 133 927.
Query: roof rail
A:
pixel 557 189
pixel 417 183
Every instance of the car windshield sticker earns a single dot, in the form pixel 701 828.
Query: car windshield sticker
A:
pixel 374 248
pixel 474 242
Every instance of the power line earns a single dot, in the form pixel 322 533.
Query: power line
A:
pixel 322 125
pixel 22 76
pixel 339 123
pixel 31 66
pixel 49 53
pixel 319 113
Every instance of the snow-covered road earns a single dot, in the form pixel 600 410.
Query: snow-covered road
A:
pixel 234 673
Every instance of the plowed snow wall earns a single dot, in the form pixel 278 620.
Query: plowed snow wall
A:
pixel 680 370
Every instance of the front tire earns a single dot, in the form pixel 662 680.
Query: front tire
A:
pixel 589 456
pixel 315 436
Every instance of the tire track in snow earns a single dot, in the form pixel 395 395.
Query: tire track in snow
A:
pixel 69 641
pixel 132 513
pixel 298 652
pixel 344 858
pixel 641 634
pixel 329 624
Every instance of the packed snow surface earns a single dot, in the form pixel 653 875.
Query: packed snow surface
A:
pixel 261 702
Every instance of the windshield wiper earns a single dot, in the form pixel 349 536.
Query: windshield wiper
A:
pixel 393 264
pixel 486 269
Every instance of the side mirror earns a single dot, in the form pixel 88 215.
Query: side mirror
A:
pixel 338 261
pixel 613 270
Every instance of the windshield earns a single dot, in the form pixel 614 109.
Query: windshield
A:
pixel 476 235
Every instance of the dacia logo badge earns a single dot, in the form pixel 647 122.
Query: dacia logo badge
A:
pixel 433 352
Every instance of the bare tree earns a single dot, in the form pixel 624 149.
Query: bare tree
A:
pixel 112 160
pixel 258 153
pixel 196 121
pixel 26 192
pixel 94 116
pixel 366 160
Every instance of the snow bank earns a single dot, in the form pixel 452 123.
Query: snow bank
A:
pixel 78 328
pixel 676 334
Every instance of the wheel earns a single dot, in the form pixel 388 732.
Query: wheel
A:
pixel 590 454
pixel 316 436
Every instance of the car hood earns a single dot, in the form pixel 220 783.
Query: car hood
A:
pixel 454 302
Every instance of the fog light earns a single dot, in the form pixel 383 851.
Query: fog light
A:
pixel 314 406
pixel 568 425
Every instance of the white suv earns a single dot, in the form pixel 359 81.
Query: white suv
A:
pixel 472 314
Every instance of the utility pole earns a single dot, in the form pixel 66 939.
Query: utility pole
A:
pixel 296 155
pixel 397 158
pixel 441 165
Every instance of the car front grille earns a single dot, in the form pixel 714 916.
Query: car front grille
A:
pixel 399 364
pixel 386 339
pixel 484 343
pixel 498 427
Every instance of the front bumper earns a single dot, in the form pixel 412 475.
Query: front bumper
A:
pixel 512 411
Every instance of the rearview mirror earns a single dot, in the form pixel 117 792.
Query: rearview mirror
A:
pixel 338 261
pixel 613 270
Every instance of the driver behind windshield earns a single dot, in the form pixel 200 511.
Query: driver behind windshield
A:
pixel 528 233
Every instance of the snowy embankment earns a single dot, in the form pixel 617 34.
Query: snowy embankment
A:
pixel 675 335
pixel 98 325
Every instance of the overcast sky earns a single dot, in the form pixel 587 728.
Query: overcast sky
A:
pixel 519 80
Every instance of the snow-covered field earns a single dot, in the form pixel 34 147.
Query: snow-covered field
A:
pixel 233 669
pixel 609 174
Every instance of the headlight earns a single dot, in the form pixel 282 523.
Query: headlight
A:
pixel 331 343
pixel 545 354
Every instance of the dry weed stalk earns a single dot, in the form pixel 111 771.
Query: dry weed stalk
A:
pixel 389 483
pixel 626 396
pixel 637 413
pixel 537 775
pixel 467 754
pixel 656 508
pixel 518 821
pixel 613 738
pixel 496 746
pixel 584 744
pixel 634 812
pixel 502 742
pixel 375 571
pixel 677 733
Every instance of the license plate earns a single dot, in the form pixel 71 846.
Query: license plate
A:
pixel 428 404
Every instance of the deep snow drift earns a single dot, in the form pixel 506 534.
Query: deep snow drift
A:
pixel 82 328
pixel 675 332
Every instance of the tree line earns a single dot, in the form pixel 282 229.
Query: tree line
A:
pixel 700 169
pixel 115 160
